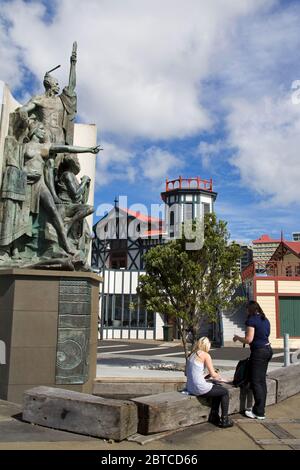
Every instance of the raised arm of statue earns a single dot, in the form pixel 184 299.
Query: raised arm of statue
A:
pixel 72 77
pixel 26 108
pixel 71 149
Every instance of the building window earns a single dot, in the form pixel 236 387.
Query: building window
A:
pixel 125 311
pixel 205 208
pixel 188 212
pixel 117 317
pixel 288 271
pixel 126 314
pixel 108 310
pixel 134 311
pixel 118 260
pixel 172 218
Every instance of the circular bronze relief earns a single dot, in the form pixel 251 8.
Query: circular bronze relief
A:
pixel 69 354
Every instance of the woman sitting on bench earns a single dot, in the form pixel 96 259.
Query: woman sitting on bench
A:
pixel 197 385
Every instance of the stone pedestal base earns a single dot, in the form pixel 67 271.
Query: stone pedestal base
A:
pixel 49 324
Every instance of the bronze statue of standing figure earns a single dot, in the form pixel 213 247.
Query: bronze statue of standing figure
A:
pixel 42 204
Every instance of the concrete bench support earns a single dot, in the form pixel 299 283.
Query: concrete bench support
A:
pixel 80 413
pixel 287 380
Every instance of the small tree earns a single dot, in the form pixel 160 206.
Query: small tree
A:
pixel 192 286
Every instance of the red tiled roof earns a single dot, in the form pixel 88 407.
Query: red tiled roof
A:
pixel 294 246
pixel 265 239
pixel 142 217
pixel 152 233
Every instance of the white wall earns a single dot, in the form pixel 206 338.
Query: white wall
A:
pixel 85 135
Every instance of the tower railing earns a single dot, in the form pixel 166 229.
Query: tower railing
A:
pixel 189 183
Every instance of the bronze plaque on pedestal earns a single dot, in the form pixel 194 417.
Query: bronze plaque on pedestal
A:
pixel 73 339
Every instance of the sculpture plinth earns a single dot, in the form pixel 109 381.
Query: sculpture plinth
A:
pixel 49 324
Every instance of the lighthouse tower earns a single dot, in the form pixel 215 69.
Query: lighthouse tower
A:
pixel 186 199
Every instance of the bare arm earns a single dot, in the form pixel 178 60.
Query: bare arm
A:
pixel 209 366
pixel 248 336
pixel 72 77
pixel 71 149
pixel 30 106
pixel 76 190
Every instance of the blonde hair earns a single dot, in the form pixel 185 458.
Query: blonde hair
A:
pixel 203 344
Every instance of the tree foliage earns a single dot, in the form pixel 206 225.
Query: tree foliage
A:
pixel 192 286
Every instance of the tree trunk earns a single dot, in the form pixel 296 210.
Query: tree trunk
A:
pixel 182 334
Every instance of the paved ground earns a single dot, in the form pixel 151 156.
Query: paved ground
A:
pixel 124 358
pixel 280 431
pixel 120 358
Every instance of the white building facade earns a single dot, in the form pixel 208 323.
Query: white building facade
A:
pixel 122 237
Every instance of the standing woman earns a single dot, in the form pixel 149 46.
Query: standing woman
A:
pixel 197 385
pixel 257 336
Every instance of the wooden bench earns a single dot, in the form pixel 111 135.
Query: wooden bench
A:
pixel 80 413
pixel 172 410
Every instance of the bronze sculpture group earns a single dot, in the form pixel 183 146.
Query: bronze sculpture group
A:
pixel 43 205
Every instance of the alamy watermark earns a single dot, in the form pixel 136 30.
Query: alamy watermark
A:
pixel 2 353
pixel 168 223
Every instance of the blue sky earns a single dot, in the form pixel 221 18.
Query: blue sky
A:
pixel 179 87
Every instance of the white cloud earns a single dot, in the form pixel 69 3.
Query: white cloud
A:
pixel 117 163
pixel 157 164
pixel 266 134
pixel 114 163
pixel 248 220
pixel 165 70
pixel 208 151
pixel 140 63
pixel 10 63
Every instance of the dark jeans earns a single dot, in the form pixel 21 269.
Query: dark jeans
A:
pixel 259 360
pixel 219 395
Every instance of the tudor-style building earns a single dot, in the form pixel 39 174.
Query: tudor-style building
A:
pixel 122 237
pixel 275 284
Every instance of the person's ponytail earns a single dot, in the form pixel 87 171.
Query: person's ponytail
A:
pixel 253 308
pixel 261 312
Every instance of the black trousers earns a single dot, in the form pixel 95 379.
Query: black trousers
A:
pixel 259 360
pixel 219 396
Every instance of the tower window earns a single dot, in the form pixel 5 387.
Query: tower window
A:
pixel 206 208
pixel 188 211
pixel 172 218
